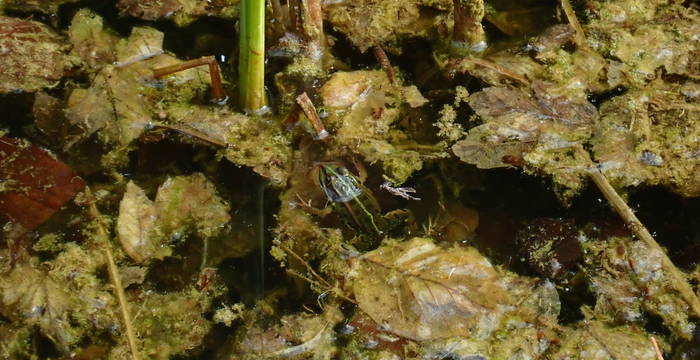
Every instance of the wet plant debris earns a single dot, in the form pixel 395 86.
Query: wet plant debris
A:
pixel 333 179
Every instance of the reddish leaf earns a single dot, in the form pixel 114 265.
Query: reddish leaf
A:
pixel 33 184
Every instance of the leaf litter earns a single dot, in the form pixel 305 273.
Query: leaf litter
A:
pixel 609 93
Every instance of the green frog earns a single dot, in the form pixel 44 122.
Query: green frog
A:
pixel 356 205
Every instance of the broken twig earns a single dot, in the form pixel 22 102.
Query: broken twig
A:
pixel 386 64
pixel 659 356
pixel 580 36
pixel 623 210
pixel 310 111
pixel 217 89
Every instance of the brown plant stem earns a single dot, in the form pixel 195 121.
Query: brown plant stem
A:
pixel 467 29
pixel 386 64
pixel 465 63
pixel 580 36
pixel 310 111
pixel 659 356
pixel 678 279
pixel 217 89
pixel 306 20
pixel 103 239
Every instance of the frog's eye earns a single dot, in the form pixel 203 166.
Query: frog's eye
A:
pixel 343 171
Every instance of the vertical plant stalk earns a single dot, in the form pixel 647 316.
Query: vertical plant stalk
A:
pixel 580 36
pixel 251 68
pixel 468 32
pixel 678 279
pixel 386 64
pixel 103 239
pixel 306 20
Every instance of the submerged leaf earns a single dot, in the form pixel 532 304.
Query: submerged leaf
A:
pixel 420 291
pixel 183 205
pixel 628 280
pixel 534 129
pixel 137 217
pixel 28 295
pixel 594 340
pixel 34 184
pixel 32 55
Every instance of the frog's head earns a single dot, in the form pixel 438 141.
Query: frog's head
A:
pixel 337 182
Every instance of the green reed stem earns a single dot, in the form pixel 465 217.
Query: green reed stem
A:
pixel 251 67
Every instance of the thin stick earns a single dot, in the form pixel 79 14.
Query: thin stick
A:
pixel 191 132
pixel 620 206
pixel 217 89
pixel 386 64
pixel 571 16
pixel 310 110
pixel 659 356
pixel 113 272
pixel 497 68
pixel 308 267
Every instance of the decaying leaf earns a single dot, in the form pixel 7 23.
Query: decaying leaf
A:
pixel 628 280
pixel 422 292
pixel 44 6
pixel 594 340
pixel 652 136
pixel 297 336
pixel 183 205
pixel 363 109
pixel 182 12
pixel 137 218
pixel 248 141
pixel 32 56
pixel 190 202
pixel 91 41
pixel 532 128
pixel 169 324
pixel 28 295
pixel 122 97
pixel 33 184
pixel 368 23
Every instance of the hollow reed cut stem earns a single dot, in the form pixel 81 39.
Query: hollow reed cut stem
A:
pixel 310 111
pixel 386 64
pixel 580 36
pixel 251 68
pixel 306 21
pixel 468 32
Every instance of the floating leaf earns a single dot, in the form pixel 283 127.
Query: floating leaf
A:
pixel 34 184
